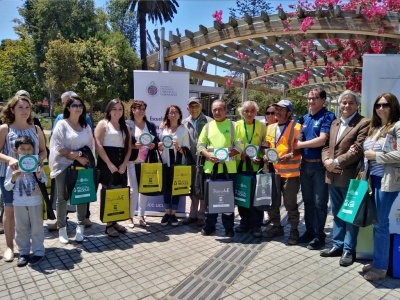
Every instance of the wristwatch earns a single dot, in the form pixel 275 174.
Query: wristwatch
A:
pixel 79 153
pixel 291 155
pixel 335 163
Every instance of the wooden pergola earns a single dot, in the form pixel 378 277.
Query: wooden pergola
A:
pixel 264 37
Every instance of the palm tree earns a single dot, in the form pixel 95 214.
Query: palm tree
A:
pixel 162 11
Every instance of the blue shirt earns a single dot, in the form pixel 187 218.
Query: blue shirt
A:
pixel 60 117
pixel 312 126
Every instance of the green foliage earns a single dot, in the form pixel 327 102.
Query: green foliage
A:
pixel 61 65
pixel 17 68
pixel 251 7
pixel 123 20
pixel 44 19
pixel 155 11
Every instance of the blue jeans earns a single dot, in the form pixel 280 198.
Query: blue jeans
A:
pixel 8 196
pixel 383 202
pixel 344 234
pixel 228 220
pixel 171 202
pixel 315 196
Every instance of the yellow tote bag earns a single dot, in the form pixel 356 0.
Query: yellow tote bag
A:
pixel 114 205
pixel 44 209
pixel 151 178
pixel 182 180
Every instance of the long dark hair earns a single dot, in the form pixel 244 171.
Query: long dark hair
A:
pixel 394 115
pixel 121 121
pixel 82 118
pixel 137 104
pixel 166 120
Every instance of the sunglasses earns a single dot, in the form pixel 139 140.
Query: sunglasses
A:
pixel 384 105
pixel 269 113
pixel 76 105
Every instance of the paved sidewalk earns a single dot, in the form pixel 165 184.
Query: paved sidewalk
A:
pixel 168 262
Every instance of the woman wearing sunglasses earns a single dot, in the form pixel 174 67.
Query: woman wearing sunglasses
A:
pixel 269 119
pixel 384 167
pixel 180 138
pixel 70 134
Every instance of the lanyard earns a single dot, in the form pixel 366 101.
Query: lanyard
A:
pixel 245 129
pixel 283 131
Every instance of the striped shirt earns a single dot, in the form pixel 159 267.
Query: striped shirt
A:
pixel 8 148
pixel 375 168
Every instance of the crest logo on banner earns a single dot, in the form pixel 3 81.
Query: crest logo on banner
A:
pixel 152 89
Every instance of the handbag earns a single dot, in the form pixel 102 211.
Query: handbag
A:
pixel 48 213
pixel 114 203
pixel 183 176
pixel 199 178
pixel 276 192
pixel 88 182
pixel 219 196
pixel 152 175
pixel 359 207
pixel 263 193
pixel 245 185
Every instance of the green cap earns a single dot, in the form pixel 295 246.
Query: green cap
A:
pixel 22 92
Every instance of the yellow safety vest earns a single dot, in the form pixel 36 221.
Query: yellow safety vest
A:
pixel 219 135
pixel 256 140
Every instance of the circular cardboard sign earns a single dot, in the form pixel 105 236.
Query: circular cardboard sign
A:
pixel 272 155
pixel 167 141
pixel 28 163
pixel 222 154
pixel 145 139
pixel 251 151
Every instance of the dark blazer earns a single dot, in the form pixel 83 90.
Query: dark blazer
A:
pixel 153 131
pixel 355 134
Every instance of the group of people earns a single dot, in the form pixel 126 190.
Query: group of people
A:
pixel 318 153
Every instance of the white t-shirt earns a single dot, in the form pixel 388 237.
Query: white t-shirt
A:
pixel 182 136
pixel 26 189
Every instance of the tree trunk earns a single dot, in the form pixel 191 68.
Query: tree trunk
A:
pixel 91 108
pixel 142 23
pixel 51 96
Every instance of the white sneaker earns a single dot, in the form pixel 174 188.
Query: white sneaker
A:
pixel 130 223
pixel 79 233
pixel 63 236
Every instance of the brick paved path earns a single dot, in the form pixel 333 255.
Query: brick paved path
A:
pixel 168 262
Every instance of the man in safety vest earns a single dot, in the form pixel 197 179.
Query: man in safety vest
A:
pixel 220 133
pixel 282 136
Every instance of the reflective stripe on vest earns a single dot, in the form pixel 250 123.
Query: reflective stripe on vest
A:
pixel 285 146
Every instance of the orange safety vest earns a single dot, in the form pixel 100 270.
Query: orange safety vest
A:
pixel 285 146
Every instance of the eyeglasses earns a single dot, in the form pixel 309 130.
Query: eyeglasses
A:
pixel 173 113
pixel 383 105
pixel 313 99
pixel 269 113
pixel 77 105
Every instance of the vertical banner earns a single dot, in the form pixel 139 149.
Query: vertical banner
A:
pixel 159 89
pixel 381 74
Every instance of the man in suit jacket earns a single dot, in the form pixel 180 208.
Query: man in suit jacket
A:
pixel 350 129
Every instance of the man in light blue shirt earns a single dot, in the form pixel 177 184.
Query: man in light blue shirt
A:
pixel 64 99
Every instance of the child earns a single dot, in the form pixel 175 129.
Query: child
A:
pixel 28 206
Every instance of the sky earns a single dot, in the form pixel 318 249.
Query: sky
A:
pixel 189 16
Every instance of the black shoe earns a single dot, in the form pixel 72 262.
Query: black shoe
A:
pixel 293 237
pixel 306 238
pixel 316 244
pixel 257 232
pixel 174 220
pixel 333 252
pixel 207 230
pixel 241 229
pixel 165 220
pixel 35 260
pixel 274 231
pixel 22 260
pixel 229 233
pixel 347 259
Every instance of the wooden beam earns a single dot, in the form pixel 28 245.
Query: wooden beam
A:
pixel 248 19
pixel 189 34
pixel 233 22
pixel 264 16
pixel 203 29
